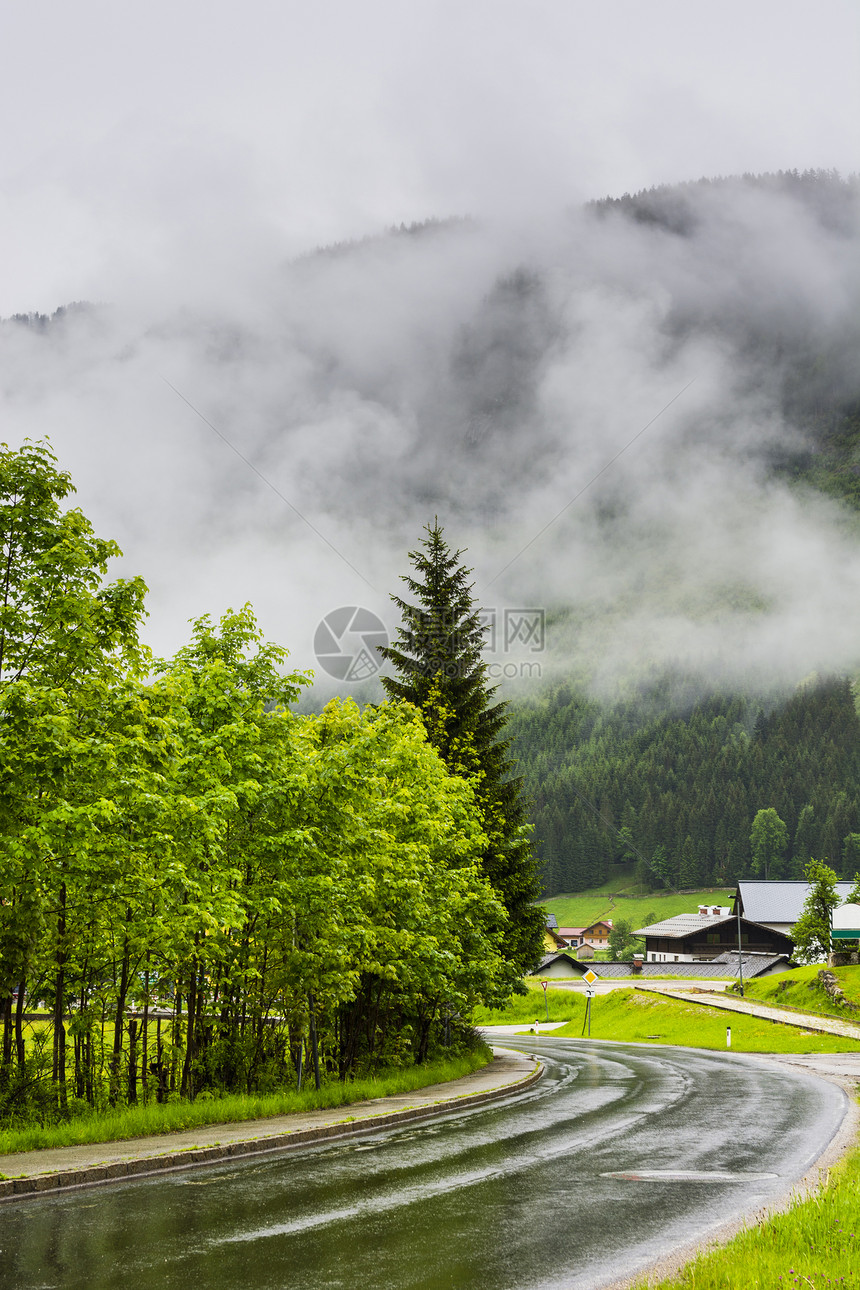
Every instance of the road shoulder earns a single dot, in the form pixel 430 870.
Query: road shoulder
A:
pixel 38 1173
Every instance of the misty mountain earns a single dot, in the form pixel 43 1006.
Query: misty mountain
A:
pixel 640 418
pixel 668 380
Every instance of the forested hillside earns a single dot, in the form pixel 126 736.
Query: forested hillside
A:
pixel 671 779
pixel 677 791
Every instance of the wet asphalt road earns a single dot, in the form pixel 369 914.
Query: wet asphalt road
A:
pixel 618 1155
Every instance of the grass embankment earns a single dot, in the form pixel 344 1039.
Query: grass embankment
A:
pixel 529 1007
pixel 146 1121
pixel 634 1016
pixel 814 1244
pixel 630 904
pixel 801 989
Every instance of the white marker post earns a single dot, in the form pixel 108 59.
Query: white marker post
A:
pixel 728 1036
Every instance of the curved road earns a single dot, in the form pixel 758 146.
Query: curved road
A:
pixel 618 1155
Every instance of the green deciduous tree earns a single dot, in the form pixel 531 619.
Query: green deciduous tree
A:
pixel 811 934
pixel 622 943
pixel 66 638
pixel 59 621
pixel 768 841
pixel 439 668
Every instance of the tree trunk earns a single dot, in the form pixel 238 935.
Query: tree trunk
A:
pixel 177 1038
pixel 144 1035
pixel 89 1068
pixel 7 1038
pixel 119 1016
pixel 132 1061
pixel 59 1055
pixel 314 1048
pixel 187 1086
pixel 19 1026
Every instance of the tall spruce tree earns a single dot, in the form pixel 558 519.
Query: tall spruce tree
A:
pixel 438 660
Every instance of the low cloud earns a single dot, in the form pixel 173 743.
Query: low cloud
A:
pixel 644 385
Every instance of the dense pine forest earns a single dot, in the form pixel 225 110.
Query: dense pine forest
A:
pixel 676 792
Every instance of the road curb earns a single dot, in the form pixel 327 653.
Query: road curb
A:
pixel 13 1189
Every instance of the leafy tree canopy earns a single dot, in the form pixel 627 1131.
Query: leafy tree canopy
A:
pixel 811 932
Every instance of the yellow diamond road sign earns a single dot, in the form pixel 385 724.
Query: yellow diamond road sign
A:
pixel 590 977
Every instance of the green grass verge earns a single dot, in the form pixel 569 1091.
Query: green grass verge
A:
pixel 815 1243
pixel 587 906
pixel 562 1005
pixel 800 989
pixel 633 1016
pixel 530 1007
pixel 145 1121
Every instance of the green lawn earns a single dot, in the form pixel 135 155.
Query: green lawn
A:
pixel 633 1016
pixel 800 988
pixel 562 1005
pixel 815 1243
pixel 587 906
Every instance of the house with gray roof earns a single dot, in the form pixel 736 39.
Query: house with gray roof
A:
pixel 705 936
pixel 777 904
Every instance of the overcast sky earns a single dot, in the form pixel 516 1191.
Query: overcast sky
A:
pixel 136 132
pixel 172 162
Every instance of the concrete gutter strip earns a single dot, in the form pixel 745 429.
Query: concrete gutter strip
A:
pixel 41 1173
pixel 804 1021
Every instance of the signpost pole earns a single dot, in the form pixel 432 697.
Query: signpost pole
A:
pixel 589 978
pixel 545 999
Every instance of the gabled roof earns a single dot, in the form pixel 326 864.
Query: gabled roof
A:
pixel 551 958
pixel 552 922
pixel 778 902
pixel 683 925
pixel 754 963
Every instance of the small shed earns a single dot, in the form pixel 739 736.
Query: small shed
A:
pixel 559 967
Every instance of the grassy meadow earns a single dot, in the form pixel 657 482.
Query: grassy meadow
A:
pixel 622 898
pixel 801 989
